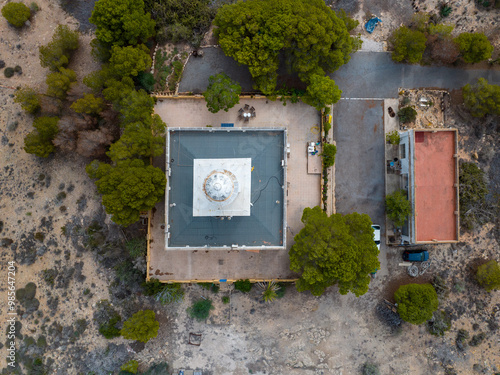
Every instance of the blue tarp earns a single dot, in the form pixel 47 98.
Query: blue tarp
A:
pixel 370 25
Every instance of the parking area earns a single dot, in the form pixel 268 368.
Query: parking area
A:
pixel 358 129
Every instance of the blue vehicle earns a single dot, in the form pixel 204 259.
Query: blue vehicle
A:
pixel 415 255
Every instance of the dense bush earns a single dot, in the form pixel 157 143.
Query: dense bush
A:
pixel 473 190
pixel 243 285
pixel 416 302
pixel 153 287
pixel 407 115
pixel 409 45
pixel 39 141
pixel 393 137
pixel 398 207
pixel 58 52
pixel 16 13
pixel 28 98
pixel 328 154
pixel 481 98
pixel 488 275
pixel 109 329
pixel 474 47
pixel 439 324
pixel 142 326
pixel 137 247
pixel 200 310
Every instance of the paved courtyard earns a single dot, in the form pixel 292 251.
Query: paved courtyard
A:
pixel 303 190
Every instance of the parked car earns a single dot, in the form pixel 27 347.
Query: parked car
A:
pixel 376 235
pixel 415 255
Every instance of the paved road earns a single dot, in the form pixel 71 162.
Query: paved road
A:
pixel 367 75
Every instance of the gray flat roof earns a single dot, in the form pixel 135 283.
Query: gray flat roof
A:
pixel 264 228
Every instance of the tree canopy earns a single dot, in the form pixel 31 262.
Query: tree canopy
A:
pixel 122 22
pixel 321 92
pixel 474 47
pixel 127 188
pixel 16 13
pixel 398 207
pixel 310 37
pixel 39 141
pixel 60 82
pixel 416 302
pixel 222 93
pixel 57 53
pixel 142 326
pixel 488 275
pixel 140 140
pixel 481 98
pixel 89 104
pixel 129 60
pixel 333 250
pixel 409 45
pixel 28 98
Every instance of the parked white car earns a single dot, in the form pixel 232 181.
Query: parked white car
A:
pixel 376 235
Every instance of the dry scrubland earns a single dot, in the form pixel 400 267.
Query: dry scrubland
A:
pixel 298 334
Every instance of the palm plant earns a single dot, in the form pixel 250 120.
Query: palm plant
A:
pixel 269 290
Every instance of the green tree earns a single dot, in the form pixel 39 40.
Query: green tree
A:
pixel 137 106
pixel 39 141
pixel 409 45
pixel 398 207
pixel 416 302
pixel 28 98
pixel 127 188
pixel 116 91
pixel 222 93
pixel 59 83
pixel 57 53
pixel 328 154
pixel 307 33
pixel 332 250
pixel 89 104
pixel 488 275
pixel 474 47
pixel 131 366
pixel 122 22
pixel 129 60
pixel 441 30
pixel 16 13
pixel 407 115
pixel 481 98
pixel 142 326
pixel 140 140
pixel 321 92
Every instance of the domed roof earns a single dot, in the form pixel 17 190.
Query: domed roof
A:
pixel 221 186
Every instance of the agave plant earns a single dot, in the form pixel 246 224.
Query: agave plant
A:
pixel 269 290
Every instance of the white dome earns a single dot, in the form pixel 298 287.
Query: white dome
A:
pixel 221 186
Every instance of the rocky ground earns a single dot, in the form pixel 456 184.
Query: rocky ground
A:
pixel 53 225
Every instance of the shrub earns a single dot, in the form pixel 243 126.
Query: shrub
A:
pixel 34 7
pixel 416 302
pixel 409 45
pixel 477 339
pixel 481 98
pixel 136 247
pixel 269 293
pixel 225 300
pixel 49 276
pixel 393 138
pixel 488 275
pixel 407 115
pixel 222 93
pixel 131 366
pixel 171 293
pixel 459 286
pixel 200 310
pixel 142 326
pixel 328 154
pixel 440 286
pixel 28 98
pixel 60 82
pixel 16 13
pixel 370 369
pixel 57 53
pixel 153 287
pixel 280 293
pixel 461 340
pixel 8 72
pixel 39 141
pixel 109 329
pixel 243 285
pixel 474 47
pixel 157 369
pixel 398 207
pixel 215 288
pixel 439 324
pixel 445 10
pixel 473 190
pixel 389 317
